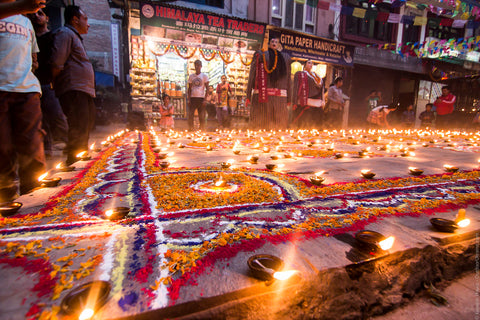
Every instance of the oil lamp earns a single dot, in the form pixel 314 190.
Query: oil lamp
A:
pixel 49 182
pixel 415 171
pixel 227 164
pixel 338 155
pixel 274 157
pixel 367 174
pixel 450 168
pixel 117 213
pixel 64 168
pixel 253 159
pixel 83 301
pixel 271 166
pixel 317 179
pixel 209 148
pixel 373 238
pixel 9 208
pixel 84 156
pixel 446 225
pixel 220 183
pixel 266 149
pixel 268 267
pixel 164 164
pixel 236 151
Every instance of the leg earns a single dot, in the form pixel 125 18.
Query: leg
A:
pixel 8 158
pixel 191 114
pixel 28 140
pixel 201 114
pixel 77 106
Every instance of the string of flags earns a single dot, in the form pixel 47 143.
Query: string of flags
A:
pixel 462 14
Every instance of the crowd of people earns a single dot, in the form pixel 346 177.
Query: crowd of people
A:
pixel 46 92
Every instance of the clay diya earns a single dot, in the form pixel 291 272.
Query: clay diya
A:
pixel 374 239
pixel 271 166
pixel 444 225
pixel 264 266
pixel 367 174
pixel 450 168
pixel 415 171
pixel 117 213
pixel 8 209
pixel 50 182
pixel 86 299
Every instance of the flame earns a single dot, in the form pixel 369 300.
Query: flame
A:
pixel 284 275
pixel 86 314
pixel 412 168
pixel 447 166
pixel 319 173
pixel 43 176
pixel 109 213
pixel 365 171
pixel 59 165
pixel 463 223
pixel 387 243
pixel 230 161
pixel 81 154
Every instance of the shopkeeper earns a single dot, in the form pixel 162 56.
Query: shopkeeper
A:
pixel 269 88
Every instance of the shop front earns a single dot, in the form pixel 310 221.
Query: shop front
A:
pixel 330 58
pixel 167 42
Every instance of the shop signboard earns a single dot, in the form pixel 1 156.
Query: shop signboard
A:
pixel 184 25
pixel 302 46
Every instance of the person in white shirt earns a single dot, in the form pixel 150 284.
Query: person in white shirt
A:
pixel 334 110
pixel 20 114
pixel 197 86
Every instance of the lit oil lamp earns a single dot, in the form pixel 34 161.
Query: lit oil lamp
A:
pixel 309 144
pixel 271 166
pixel 274 157
pixel 332 147
pixel 84 156
pixel 450 168
pixel 288 155
pixel 266 149
pixel 375 239
pixel 8 209
pixel 181 145
pixel 227 164
pixel 253 159
pixel 164 164
pixel 64 168
pixel 117 213
pixel 94 148
pixel 415 171
pixel 317 179
pixel 338 155
pixel 236 151
pixel 268 267
pixel 209 148
pixel 49 182
pixel 84 301
pixel 220 183
pixel 367 174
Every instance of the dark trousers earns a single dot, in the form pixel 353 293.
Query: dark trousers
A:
pixel 196 104
pixel 80 112
pixel 21 140
pixel 54 121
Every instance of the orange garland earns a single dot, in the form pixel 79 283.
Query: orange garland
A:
pixel 164 52
pixel 245 63
pixel 185 57
pixel 315 77
pixel 224 59
pixel 208 59
pixel 274 63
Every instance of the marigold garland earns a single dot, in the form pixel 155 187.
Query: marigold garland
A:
pixel 187 56
pixel 274 62
pixel 207 58
pixel 167 48
pixel 225 58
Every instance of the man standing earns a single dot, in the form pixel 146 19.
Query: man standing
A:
pixel 74 80
pixel 197 85
pixel 335 104
pixel 445 105
pixel 269 88
pixel 21 137
pixel 54 122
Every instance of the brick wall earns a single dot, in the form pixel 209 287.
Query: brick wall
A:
pixel 98 41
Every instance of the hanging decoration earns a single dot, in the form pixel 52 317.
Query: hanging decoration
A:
pixel 202 53
pixel 188 56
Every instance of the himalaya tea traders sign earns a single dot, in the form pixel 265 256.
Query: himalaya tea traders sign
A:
pixel 197 27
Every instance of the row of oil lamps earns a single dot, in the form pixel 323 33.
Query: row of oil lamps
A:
pixel 85 300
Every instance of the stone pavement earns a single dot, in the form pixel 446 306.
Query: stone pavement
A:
pixel 174 258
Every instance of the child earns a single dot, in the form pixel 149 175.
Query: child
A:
pixel 408 117
pixel 223 92
pixel 427 117
pixel 166 111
